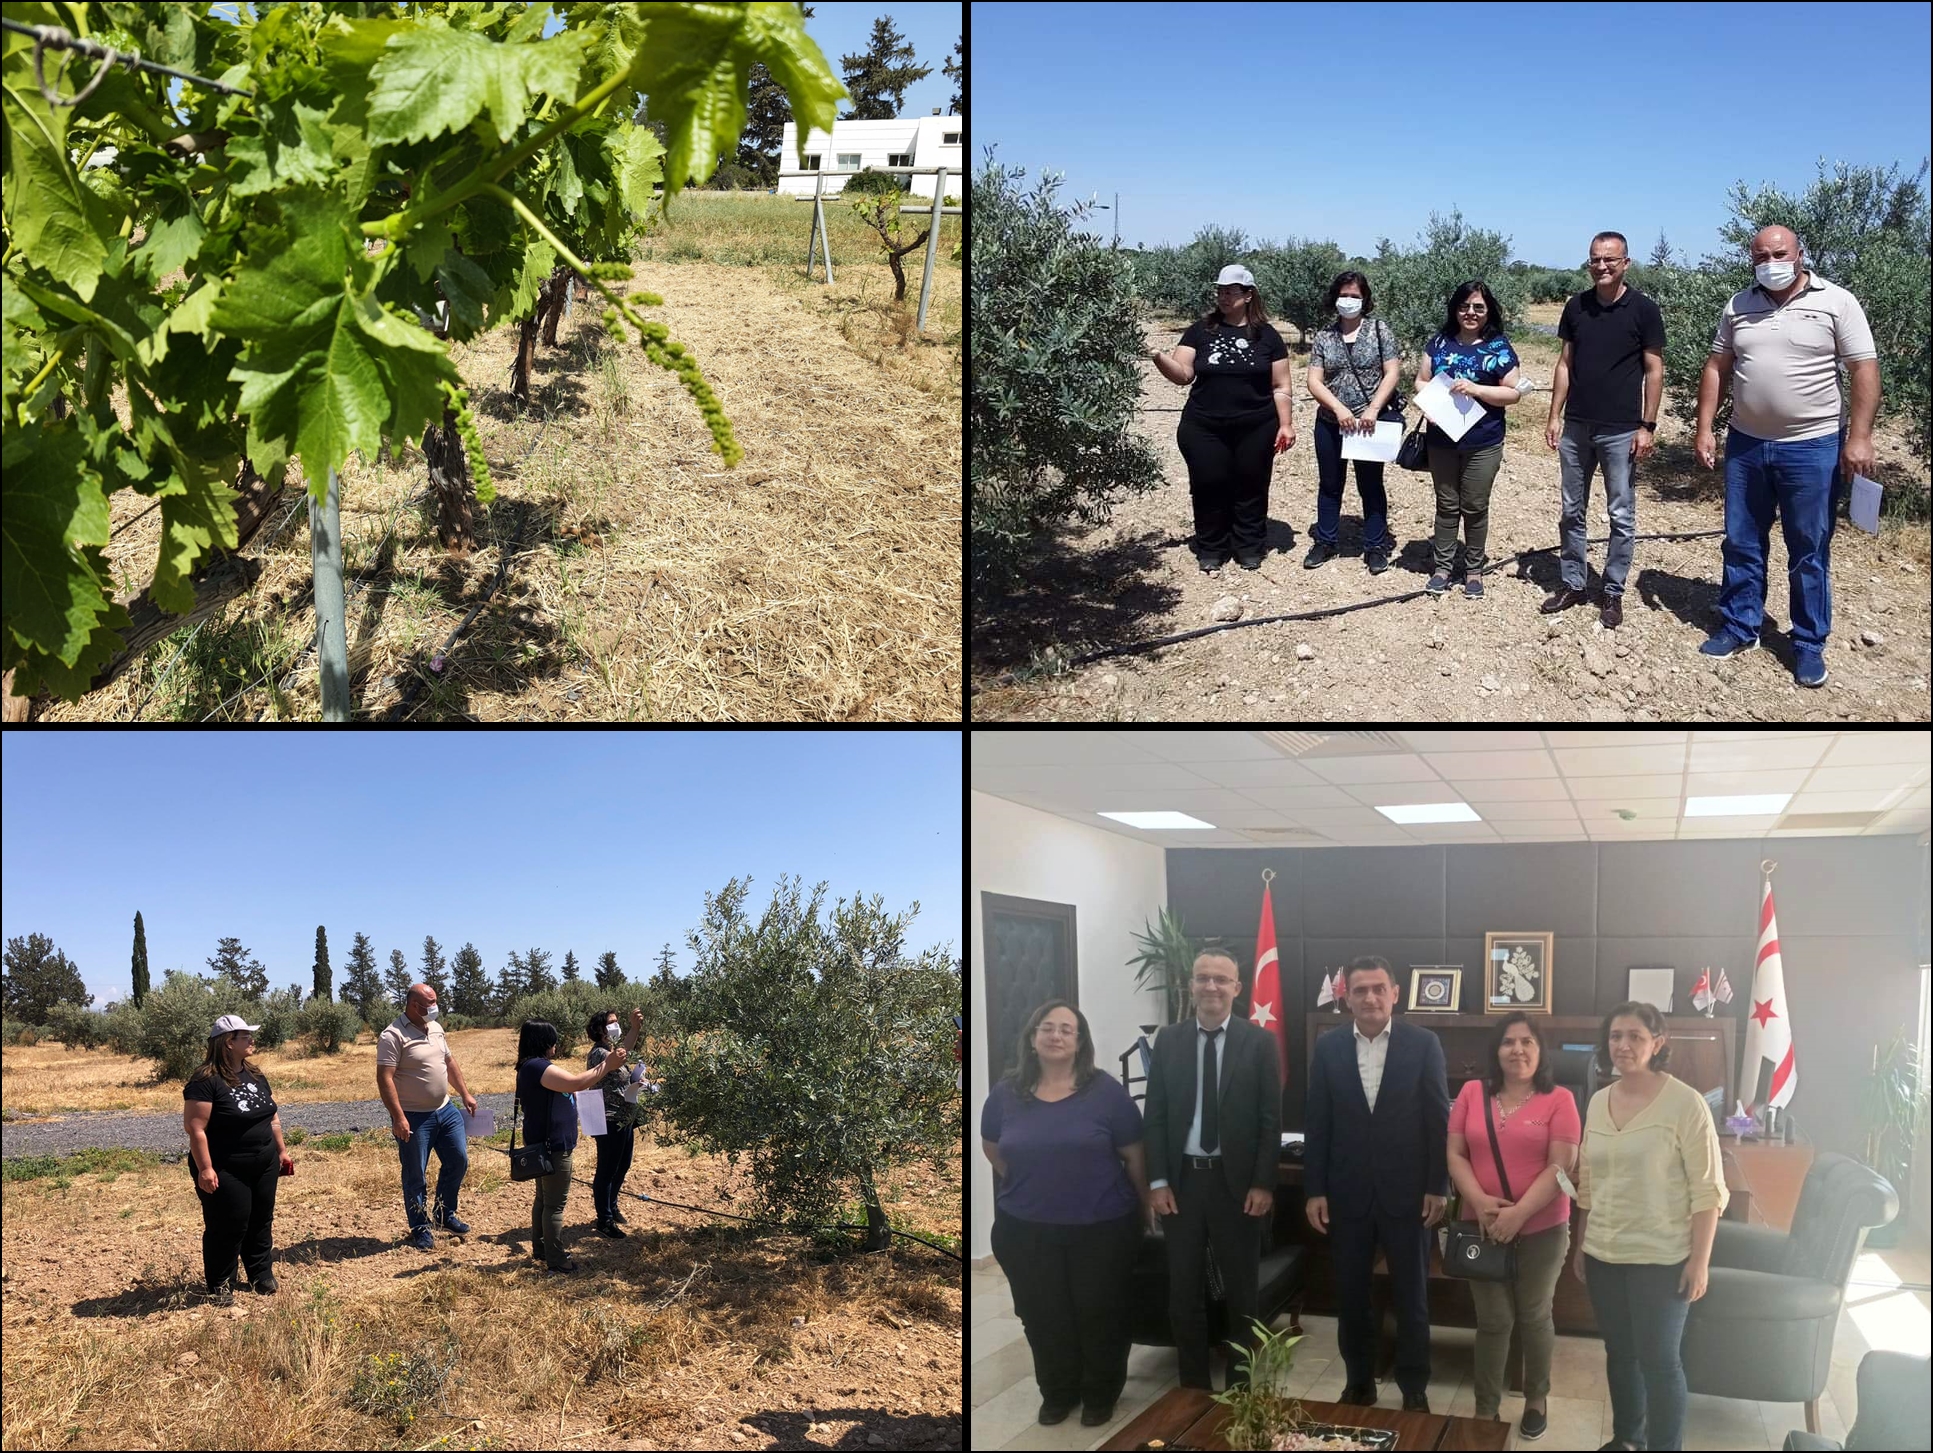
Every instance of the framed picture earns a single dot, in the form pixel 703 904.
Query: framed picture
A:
pixel 1516 972
pixel 1433 988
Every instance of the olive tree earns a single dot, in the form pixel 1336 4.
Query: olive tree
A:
pixel 816 1048
pixel 1413 284
pixel 1056 376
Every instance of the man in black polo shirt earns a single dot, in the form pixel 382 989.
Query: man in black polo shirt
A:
pixel 1608 385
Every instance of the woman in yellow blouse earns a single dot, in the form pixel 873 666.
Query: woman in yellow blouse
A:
pixel 1650 1192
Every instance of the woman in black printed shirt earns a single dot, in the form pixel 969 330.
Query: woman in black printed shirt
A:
pixel 236 1152
pixel 1236 420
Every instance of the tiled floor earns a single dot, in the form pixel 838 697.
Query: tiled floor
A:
pixel 1878 1313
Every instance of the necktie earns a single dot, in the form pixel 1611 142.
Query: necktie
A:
pixel 1211 1112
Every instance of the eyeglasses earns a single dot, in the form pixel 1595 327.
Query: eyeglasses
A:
pixel 1214 983
pixel 1476 311
pixel 1605 261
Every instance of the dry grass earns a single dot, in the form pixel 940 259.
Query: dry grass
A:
pixel 819 580
pixel 683 1336
pixel 50 1079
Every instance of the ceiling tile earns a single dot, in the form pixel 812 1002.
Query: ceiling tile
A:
pixel 1856 779
pixel 1078 785
pixel 1295 799
pixel 1404 794
pixel 1246 775
pixel 1207 803
pixel 1201 746
pixel 1536 789
pixel 1758 753
pixel 1728 784
pixel 1858 748
pixel 1648 809
pixel 1619 761
pixel 1487 766
pixel 1472 741
pixel 1610 789
pixel 991 748
pixel 1371 769
pixel 1728 826
pixel 1511 827
pixel 1524 811
pixel 1627 738
pixel 1873 799
pixel 1335 822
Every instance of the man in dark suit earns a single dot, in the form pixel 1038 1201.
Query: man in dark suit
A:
pixel 1212 1157
pixel 1378 1125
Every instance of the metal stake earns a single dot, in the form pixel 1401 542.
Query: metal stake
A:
pixel 932 242
pixel 331 644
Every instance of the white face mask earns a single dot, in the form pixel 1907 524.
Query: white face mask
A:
pixel 1776 275
pixel 430 1013
pixel 1348 307
pixel 611 1030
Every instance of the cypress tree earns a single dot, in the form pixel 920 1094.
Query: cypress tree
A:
pixel 323 976
pixel 140 961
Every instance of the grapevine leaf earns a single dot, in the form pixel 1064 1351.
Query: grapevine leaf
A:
pixel 468 289
pixel 695 65
pixel 51 216
pixel 193 518
pixel 433 79
pixel 294 148
pixel 411 362
pixel 35 672
pixel 192 316
pixel 54 507
pixel 636 162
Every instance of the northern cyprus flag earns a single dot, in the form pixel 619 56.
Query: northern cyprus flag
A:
pixel 1770 1073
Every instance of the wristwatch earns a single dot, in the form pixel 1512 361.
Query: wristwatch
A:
pixel 1651 424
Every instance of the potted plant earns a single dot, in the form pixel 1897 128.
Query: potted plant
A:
pixel 1165 962
pixel 1257 1413
pixel 1893 1103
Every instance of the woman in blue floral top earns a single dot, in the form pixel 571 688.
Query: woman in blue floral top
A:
pixel 1472 353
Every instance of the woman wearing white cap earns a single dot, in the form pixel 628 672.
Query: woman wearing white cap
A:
pixel 1236 419
pixel 236 1152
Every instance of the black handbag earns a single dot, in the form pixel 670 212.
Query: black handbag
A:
pixel 1414 452
pixel 533 1160
pixel 1467 1252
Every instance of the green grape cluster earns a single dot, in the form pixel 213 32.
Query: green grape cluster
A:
pixel 677 358
pixel 611 271
pixel 466 430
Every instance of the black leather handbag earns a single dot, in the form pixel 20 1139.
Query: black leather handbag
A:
pixel 1414 452
pixel 1467 1252
pixel 533 1160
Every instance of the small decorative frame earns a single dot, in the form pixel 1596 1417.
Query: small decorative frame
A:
pixel 1516 972
pixel 1433 988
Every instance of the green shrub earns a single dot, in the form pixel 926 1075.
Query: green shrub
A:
pixel 28 1036
pixel 569 1005
pixel 124 1028
pixel 328 1024
pixel 280 1013
pixel 1413 285
pixel 105 1160
pixel 731 177
pixel 76 1027
pixel 872 183
pixel 453 1022
pixel 177 1017
pixel 1057 350
pixel 342 1140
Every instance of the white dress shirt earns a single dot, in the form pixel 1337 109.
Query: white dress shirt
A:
pixel 1371 1056
pixel 1192 1145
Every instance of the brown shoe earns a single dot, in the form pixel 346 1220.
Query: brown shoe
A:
pixel 1613 613
pixel 1562 599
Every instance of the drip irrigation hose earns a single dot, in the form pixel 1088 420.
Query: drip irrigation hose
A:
pixel 1008 678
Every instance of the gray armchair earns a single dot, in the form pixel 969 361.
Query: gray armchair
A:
pixel 1763 1330
pixel 1894 1411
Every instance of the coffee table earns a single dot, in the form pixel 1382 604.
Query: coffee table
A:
pixel 1189 1416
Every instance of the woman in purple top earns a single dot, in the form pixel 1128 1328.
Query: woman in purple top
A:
pixel 1071 1191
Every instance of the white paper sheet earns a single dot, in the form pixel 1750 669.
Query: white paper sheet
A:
pixel 1650 986
pixel 1863 508
pixel 1452 413
pixel 590 1111
pixel 481 1124
pixel 1379 447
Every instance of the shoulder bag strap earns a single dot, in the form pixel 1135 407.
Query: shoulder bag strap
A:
pixel 1503 1176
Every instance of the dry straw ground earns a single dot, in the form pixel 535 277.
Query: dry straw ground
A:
pixel 682 1336
pixel 819 580
pixel 1453 659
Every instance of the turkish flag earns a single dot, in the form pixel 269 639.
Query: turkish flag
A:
pixel 1770 1071
pixel 1265 1005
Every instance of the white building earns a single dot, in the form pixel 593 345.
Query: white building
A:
pixel 912 141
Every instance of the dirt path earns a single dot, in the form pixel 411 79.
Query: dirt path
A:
pixel 1448 659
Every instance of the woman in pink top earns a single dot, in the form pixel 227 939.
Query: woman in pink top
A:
pixel 1538 1132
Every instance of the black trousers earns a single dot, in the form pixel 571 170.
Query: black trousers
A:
pixel 1070 1291
pixel 1208 1212
pixel 1352 1252
pixel 239 1217
pixel 1228 480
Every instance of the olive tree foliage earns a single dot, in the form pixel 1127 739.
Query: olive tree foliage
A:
pixel 815 1047
pixel 1864 228
pixel 1292 280
pixel 1413 284
pixel 1182 279
pixel 177 1017
pixel 1057 376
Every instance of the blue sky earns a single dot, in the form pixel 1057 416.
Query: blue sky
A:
pixel 571 840
pixel 1350 122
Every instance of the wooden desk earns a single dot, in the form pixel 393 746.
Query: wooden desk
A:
pixel 1190 1416
pixel 1765 1179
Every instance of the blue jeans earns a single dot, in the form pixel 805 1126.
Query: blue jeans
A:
pixel 441 1131
pixel 1579 448
pixel 613 1164
pixel 1641 1314
pixel 1798 481
pixel 1331 471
